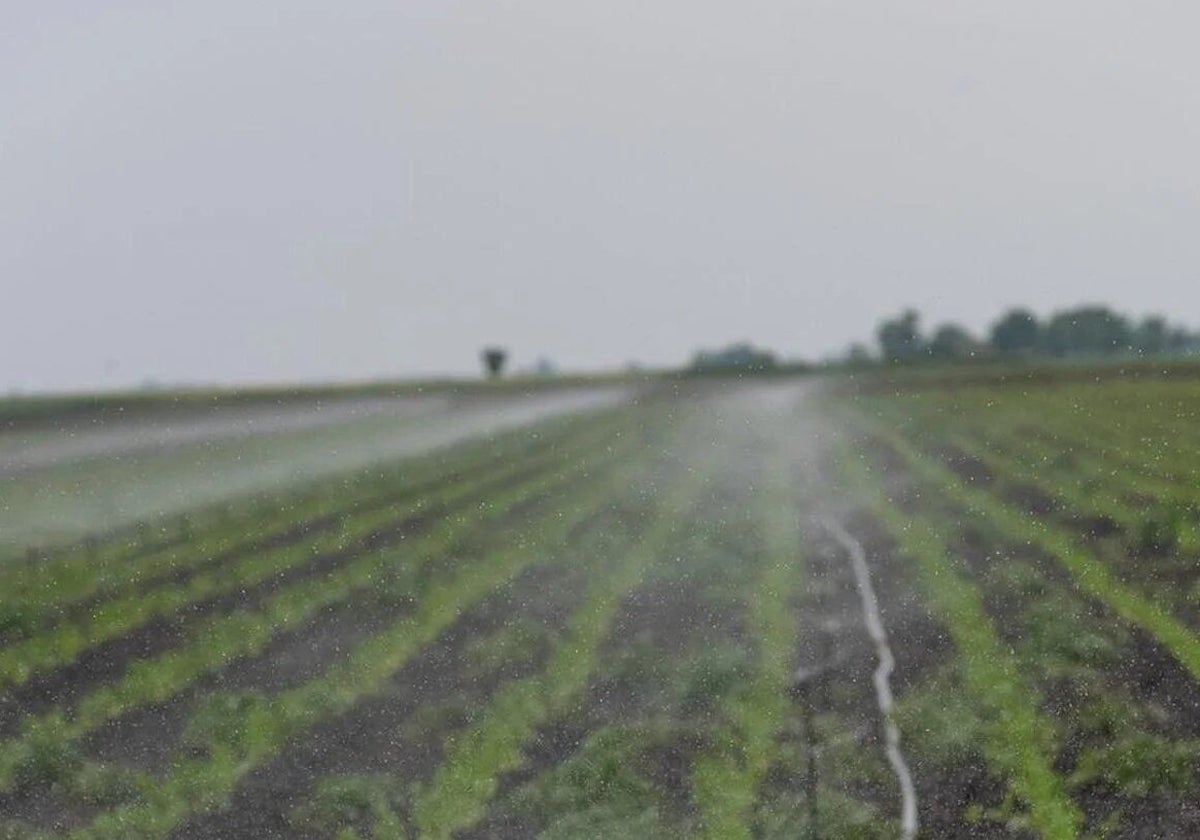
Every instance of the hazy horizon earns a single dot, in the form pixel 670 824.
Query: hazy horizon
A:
pixel 216 193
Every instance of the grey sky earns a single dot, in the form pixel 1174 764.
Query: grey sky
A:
pixel 219 191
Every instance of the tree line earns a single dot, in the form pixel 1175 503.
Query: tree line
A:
pixel 1085 331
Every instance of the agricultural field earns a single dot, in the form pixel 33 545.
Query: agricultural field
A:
pixel 772 608
pixel 84 469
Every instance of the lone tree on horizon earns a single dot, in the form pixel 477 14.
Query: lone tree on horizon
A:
pixel 493 361
pixel 900 338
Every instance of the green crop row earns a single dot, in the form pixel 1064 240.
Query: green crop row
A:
pixel 1018 739
pixel 1155 515
pixel 263 728
pixel 1156 522
pixel 30 592
pixel 726 780
pixel 221 639
pixel 1060 429
pixel 458 795
pixel 1070 443
pixel 1090 575
pixel 113 563
pixel 1111 725
pixel 63 643
pixel 1083 484
pixel 379 804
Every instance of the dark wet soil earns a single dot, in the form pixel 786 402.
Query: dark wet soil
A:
pixel 966 466
pixel 918 640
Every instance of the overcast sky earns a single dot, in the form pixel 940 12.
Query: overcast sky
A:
pixel 225 191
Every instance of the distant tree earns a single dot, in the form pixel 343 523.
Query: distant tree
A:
pixel 493 360
pixel 900 338
pixel 1088 330
pixel 1016 333
pixel 1151 336
pixel 857 355
pixel 1056 337
pixel 951 342
pixel 1091 330
pixel 736 358
pixel 1180 341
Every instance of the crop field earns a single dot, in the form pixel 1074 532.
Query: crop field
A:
pixel 776 608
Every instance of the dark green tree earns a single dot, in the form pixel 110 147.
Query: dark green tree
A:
pixel 735 358
pixel 1180 341
pixel 1151 336
pixel 951 342
pixel 493 360
pixel 900 337
pixel 1088 330
pixel 857 355
pixel 1018 332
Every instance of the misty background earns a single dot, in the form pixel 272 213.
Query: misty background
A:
pixel 222 192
